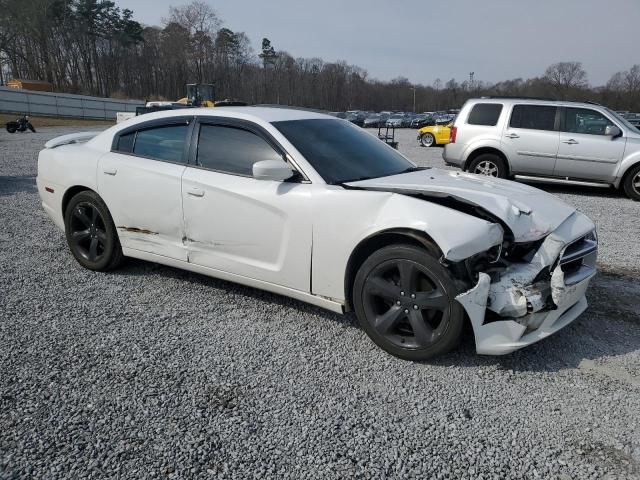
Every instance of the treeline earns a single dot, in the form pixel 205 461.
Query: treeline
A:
pixel 94 47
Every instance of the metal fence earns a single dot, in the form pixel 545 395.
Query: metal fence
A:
pixel 63 104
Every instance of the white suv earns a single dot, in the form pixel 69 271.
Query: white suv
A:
pixel 584 142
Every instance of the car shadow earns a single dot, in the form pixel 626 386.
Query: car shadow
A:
pixel 18 184
pixel 135 267
pixel 608 328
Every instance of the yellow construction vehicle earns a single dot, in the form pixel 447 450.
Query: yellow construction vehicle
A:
pixel 199 95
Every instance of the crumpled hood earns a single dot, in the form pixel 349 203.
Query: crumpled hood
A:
pixel 530 213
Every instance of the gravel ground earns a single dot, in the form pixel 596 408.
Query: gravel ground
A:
pixel 152 372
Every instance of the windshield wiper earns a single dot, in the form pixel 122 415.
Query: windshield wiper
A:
pixel 410 169
pixel 406 170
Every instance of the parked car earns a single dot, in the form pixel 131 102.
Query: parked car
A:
pixel 434 135
pixel 444 118
pixel 582 142
pixel 398 120
pixel 375 121
pixel 633 118
pixel 356 117
pixel 256 196
pixel 419 120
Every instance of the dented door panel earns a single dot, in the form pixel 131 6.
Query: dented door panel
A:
pixel 145 201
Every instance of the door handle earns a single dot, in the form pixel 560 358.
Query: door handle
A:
pixel 196 192
pixel 110 171
pixel 571 141
pixel 512 135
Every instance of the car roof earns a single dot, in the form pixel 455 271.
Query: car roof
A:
pixel 265 114
pixel 535 101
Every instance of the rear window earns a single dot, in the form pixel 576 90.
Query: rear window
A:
pixel 485 114
pixel 162 143
pixel 125 142
pixel 533 117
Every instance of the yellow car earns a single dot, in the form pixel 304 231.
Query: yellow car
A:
pixel 434 135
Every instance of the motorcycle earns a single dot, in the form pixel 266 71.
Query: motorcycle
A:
pixel 20 125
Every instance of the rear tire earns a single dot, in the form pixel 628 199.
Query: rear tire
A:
pixel 427 140
pixel 91 234
pixel 405 302
pixel 489 164
pixel 631 183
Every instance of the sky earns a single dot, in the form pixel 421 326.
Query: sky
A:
pixel 424 40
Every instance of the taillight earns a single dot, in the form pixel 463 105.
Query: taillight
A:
pixel 452 134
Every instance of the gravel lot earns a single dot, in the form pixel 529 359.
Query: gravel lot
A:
pixel 152 372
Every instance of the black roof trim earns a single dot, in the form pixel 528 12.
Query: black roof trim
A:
pixel 518 97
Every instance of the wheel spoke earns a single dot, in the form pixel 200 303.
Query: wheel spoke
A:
pixel 93 249
pixel 421 329
pixel 380 287
pixel 102 236
pixel 80 214
pixel 94 215
pixel 389 319
pixel 407 274
pixel 81 235
pixel 434 300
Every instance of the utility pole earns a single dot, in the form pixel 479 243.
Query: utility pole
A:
pixel 414 99
pixel 471 74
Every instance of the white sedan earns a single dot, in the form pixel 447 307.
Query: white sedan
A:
pixel 312 207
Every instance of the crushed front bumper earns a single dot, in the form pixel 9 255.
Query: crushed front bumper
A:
pixel 516 310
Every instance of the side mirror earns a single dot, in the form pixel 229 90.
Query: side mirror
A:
pixel 276 170
pixel 612 131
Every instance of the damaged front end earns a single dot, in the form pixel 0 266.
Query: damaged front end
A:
pixel 527 291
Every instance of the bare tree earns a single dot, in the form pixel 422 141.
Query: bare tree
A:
pixel 94 47
pixel 195 17
pixel 566 76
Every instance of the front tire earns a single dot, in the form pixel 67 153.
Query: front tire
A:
pixel 91 234
pixel 489 164
pixel 631 184
pixel 427 140
pixel 11 128
pixel 405 301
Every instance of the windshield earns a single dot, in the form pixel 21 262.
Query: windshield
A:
pixel 341 152
pixel 623 120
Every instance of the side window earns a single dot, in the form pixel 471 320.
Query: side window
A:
pixel 485 114
pixel 585 120
pixel 125 142
pixel 232 150
pixel 161 143
pixel 534 117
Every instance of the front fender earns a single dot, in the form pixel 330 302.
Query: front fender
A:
pixel 626 164
pixel 364 214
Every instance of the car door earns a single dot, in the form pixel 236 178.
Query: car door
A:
pixel 531 138
pixel 141 182
pixel 585 151
pixel 260 229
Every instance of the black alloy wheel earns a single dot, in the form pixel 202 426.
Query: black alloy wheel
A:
pixel 405 301
pixel 91 234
